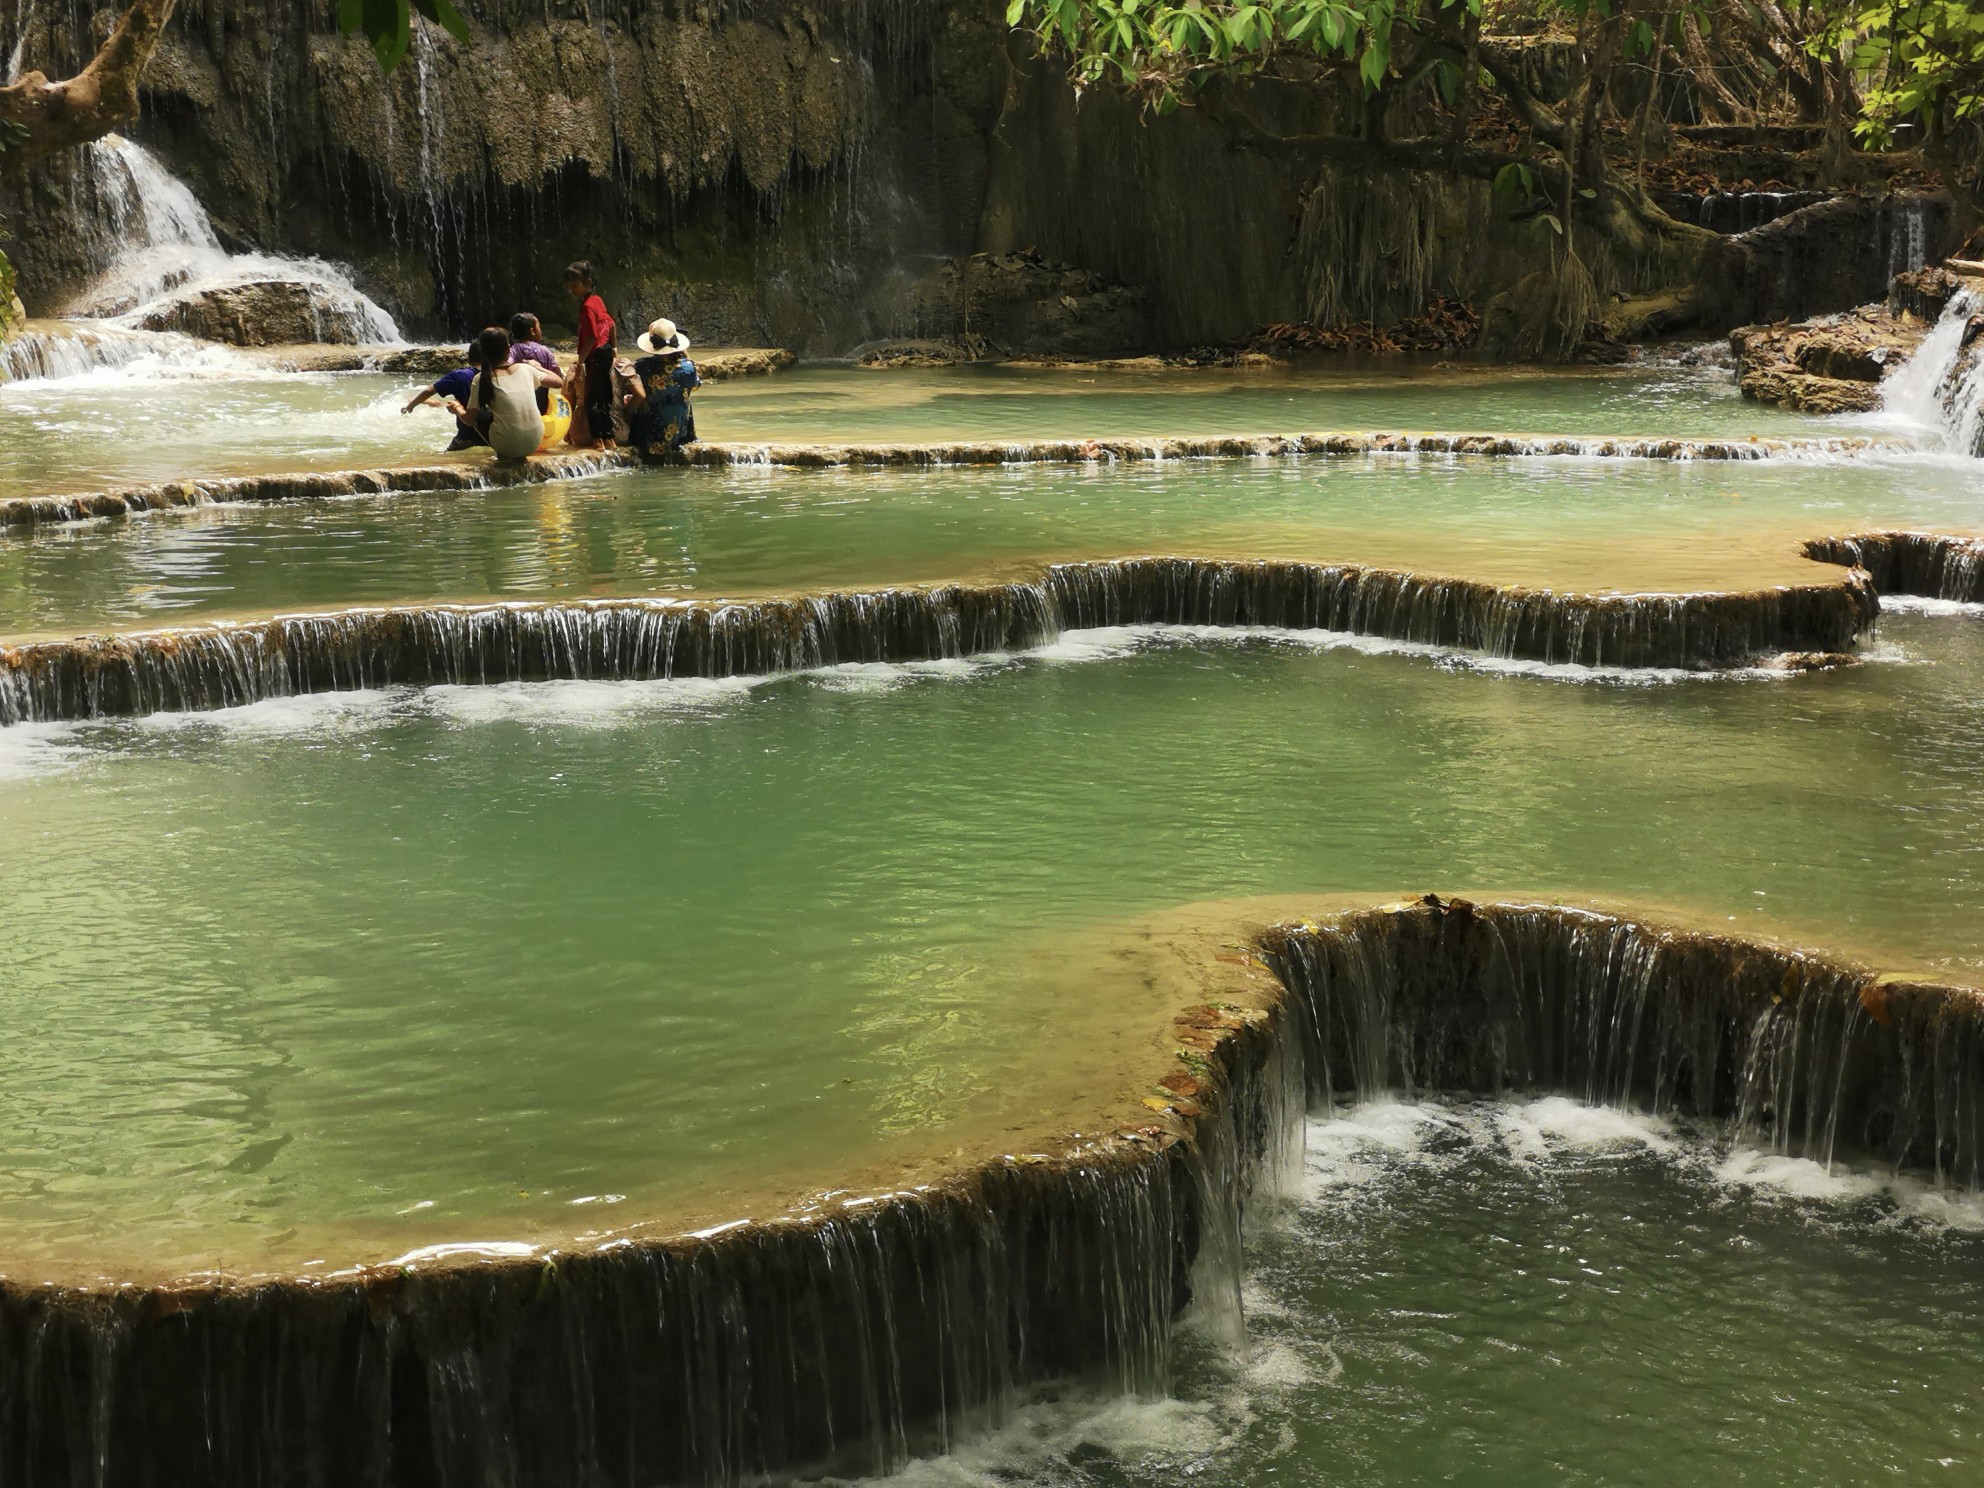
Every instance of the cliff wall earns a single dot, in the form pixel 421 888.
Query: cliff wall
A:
pixel 800 172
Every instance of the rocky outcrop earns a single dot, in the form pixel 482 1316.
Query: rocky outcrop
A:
pixel 1007 304
pixel 1836 363
pixel 1831 365
pixel 268 313
pixel 1930 564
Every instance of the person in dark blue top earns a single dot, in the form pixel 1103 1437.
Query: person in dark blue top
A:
pixel 454 387
pixel 660 416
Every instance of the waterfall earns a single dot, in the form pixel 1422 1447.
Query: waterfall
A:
pixel 1908 236
pixel 1941 387
pixel 1932 565
pixel 163 253
pixel 227 664
pixel 1799 1053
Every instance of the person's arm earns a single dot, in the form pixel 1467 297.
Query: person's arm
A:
pixel 417 399
pixel 544 378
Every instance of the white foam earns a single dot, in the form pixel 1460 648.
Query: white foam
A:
pixel 1804 1181
pixel 283 717
pixel 1044 1441
pixel 584 704
pixel 1923 604
pixel 32 750
pixel 1365 1145
pixel 887 676
pixel 1555 1124
pixel 1108 643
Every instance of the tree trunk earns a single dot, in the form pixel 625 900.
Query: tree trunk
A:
pixel 60 116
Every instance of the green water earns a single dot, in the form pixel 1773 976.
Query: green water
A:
pixel 495 951
pixel 334 978
pixel 1512 1295
pixel 840 405
pixel 123 427
pixel 709 532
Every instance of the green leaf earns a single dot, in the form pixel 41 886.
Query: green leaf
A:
pixel 1013 11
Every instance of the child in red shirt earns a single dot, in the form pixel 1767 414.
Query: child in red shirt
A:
pixel 595 354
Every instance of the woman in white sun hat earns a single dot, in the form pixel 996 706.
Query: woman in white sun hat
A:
pixel 660 418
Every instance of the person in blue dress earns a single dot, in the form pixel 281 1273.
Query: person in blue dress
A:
pixel 454 387
pixel 660 417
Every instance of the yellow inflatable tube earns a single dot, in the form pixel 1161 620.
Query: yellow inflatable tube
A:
pixel 557 419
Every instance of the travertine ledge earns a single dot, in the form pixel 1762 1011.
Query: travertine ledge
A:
pixel 474 473
pixel 225 664
pixel 849 1336
pixel 1932 565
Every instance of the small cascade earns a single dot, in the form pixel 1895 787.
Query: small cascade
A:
pixel 226 665
pixel 1702 631
pixel 1907 225
pixel 1923 563
pixel 1738 211
pixel 1941 386
pixel 1806 1056
pixel 63 349
pixel 170 285
pixel 229 664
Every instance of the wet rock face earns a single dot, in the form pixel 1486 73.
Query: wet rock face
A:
pixel 1018 304
pixel 266 313
pixel 1831 365
pixel 1926 292
pixel 1843 358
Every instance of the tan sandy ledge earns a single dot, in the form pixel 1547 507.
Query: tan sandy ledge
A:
pixel 228 663
pixel 479 472
pixel 848 1332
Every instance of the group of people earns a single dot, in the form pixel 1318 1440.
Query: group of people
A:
pixel 504 396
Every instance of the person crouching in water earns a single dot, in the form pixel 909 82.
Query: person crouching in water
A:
pixel 503 402
pixel 660 417
pixel 453 388
pixel 595 359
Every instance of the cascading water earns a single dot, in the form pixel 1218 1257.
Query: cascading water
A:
pixel 163 253
pixel 227 665
pixel 1941 387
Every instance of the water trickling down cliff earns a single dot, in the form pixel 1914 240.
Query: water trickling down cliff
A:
pixel 804 174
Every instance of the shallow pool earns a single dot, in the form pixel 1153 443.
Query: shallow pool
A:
pixel 142 423
pixel 1540 1291
pixel 364 971
pixel 1568 523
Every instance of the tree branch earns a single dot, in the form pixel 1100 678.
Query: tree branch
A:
pixel 60 116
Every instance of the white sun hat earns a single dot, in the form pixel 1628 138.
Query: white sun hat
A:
pixel 661 335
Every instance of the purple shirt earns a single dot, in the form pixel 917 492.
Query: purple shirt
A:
pixel 534 351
